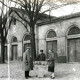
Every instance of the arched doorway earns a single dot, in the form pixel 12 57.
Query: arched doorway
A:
pixel 51 43
pixel 26 42
pixel 14 55
pixel 73 44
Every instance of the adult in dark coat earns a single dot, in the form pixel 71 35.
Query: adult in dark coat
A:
pixel 51 63
pixel 41 56
pixel 26 62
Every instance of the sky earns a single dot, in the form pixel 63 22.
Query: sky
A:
pixel 67 10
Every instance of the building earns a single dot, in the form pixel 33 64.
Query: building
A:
pixel 62 35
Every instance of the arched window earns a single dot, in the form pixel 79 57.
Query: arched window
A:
pixel 14 39
pixel 27 37
pixel 74 30
pixel 51 43
pixel 51 34
pixel 14 55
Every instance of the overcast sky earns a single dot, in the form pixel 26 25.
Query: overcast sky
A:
pixel 69 9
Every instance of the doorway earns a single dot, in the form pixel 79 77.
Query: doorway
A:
pixel 52 45
pixel 14 52
pixel 74 50
pixel 14 55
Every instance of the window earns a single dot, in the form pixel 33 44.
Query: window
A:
pixel 51 34
pixel 27 37
pixel 74 30
pixel 14 39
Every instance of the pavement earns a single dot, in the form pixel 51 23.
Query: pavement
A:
pixel 63 71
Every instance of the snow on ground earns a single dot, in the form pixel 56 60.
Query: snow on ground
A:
pixel 63 71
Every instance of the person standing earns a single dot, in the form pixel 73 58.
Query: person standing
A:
pixel 26 63
pixel 51 63
pixel 41 56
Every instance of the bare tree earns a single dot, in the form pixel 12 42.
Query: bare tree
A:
pixel 31 9
pixel 28 11
pixel 3 28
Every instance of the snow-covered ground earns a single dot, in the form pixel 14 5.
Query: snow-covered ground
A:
pixel 63 71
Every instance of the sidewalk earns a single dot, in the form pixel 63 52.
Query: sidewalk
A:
pixel 63 71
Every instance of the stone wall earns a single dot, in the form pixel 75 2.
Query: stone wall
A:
pixel 18 31
pixel 61 28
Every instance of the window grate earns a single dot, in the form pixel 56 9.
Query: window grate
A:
pixel 73 31
pixel 51 34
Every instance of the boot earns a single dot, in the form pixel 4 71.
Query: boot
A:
pixel 52 76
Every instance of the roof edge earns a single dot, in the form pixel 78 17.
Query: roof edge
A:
pixel 59 19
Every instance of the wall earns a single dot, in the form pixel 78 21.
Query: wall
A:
pixel 18 31
pixel 61 28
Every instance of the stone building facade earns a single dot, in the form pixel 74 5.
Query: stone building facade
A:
pixel 62 35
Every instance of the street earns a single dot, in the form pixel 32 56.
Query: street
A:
pixel 63 71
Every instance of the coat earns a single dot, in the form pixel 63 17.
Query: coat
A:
pixel 51 62
pixel 26 61
pixel 41 57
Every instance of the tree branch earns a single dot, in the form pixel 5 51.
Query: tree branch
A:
pixel 22 17
pixel 21 4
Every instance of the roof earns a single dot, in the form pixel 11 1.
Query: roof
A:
pixel 58 19
pixel 47 19
pixel 45 16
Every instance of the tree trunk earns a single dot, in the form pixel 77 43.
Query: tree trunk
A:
pixel 2 48
pixel 2 53
pixel 33 47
